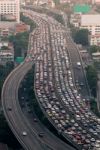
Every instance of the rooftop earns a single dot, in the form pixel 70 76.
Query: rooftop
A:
pixel 90 19
pixel 96 54
pixel 82 8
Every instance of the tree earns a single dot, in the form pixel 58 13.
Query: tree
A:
pixel 94 48
pixel 81 37
pixel 56 2
pixel 59 18
pixel 20 41
pixel 4 48
pixel 92 78
pixel 4 71
pixel 28 21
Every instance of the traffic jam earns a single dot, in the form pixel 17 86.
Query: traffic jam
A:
pixel 56 93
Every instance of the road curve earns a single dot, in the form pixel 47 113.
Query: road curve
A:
pixel 15 118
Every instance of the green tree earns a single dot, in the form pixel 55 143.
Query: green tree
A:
pixel 4 48
pixel 94 48
pixel 81 37
pixel 20 41
pixel 28 21
pixel 92 78
pixel 4 71
pixel 2 75
pixel 56 2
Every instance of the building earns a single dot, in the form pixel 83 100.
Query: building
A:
pixel 92 23
pixel 64 1
pixel 7 28
pixel 10 7
pixel 95 39
pixel 6 56
pixel 78 10
pixel 83 8
pixel 95 1
pixel 6 52
pixel 75 19
pixel 22 27
pixel 96 56
pixel 4 32
pixel 4 44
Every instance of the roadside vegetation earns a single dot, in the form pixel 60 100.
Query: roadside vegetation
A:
pixel 93 107
pixel 6 135
pixel 92 78
pixel 4 71
pixel 81 36
pixel 28 21
pixel 20 40
pixel 58 17
pixel 94 49
pixel 56 2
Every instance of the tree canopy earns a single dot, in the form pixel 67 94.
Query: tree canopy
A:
pixel 56 1
pixel 28 21
pixel 20 41
pixel 92 78
pixel 4 71
pixel 94 48
pixel 81 37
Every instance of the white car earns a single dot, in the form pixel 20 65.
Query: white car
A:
pixel 78 64
pixel 24 133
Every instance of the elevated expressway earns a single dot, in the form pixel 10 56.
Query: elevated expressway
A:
pixel 54 89
pixel 16 119
pixel 58 97
pixel 12 110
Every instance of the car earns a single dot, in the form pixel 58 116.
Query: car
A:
pixel 81 84
pixel 35 120
pixel 41 134
pixel 9 109
pixel 78 64
pixel 24 133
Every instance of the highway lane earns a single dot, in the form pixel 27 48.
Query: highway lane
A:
pixel 48 95
pixel 89 122
pixel 46 91
pixel 52 140
pixel 79 74
pixel 78 71
pixel 17 120
pixel 14 117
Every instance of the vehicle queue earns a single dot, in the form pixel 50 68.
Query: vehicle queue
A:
pixel 54 87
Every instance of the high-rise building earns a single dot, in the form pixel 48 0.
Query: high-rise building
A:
pixel 10 7
pixel 92 23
